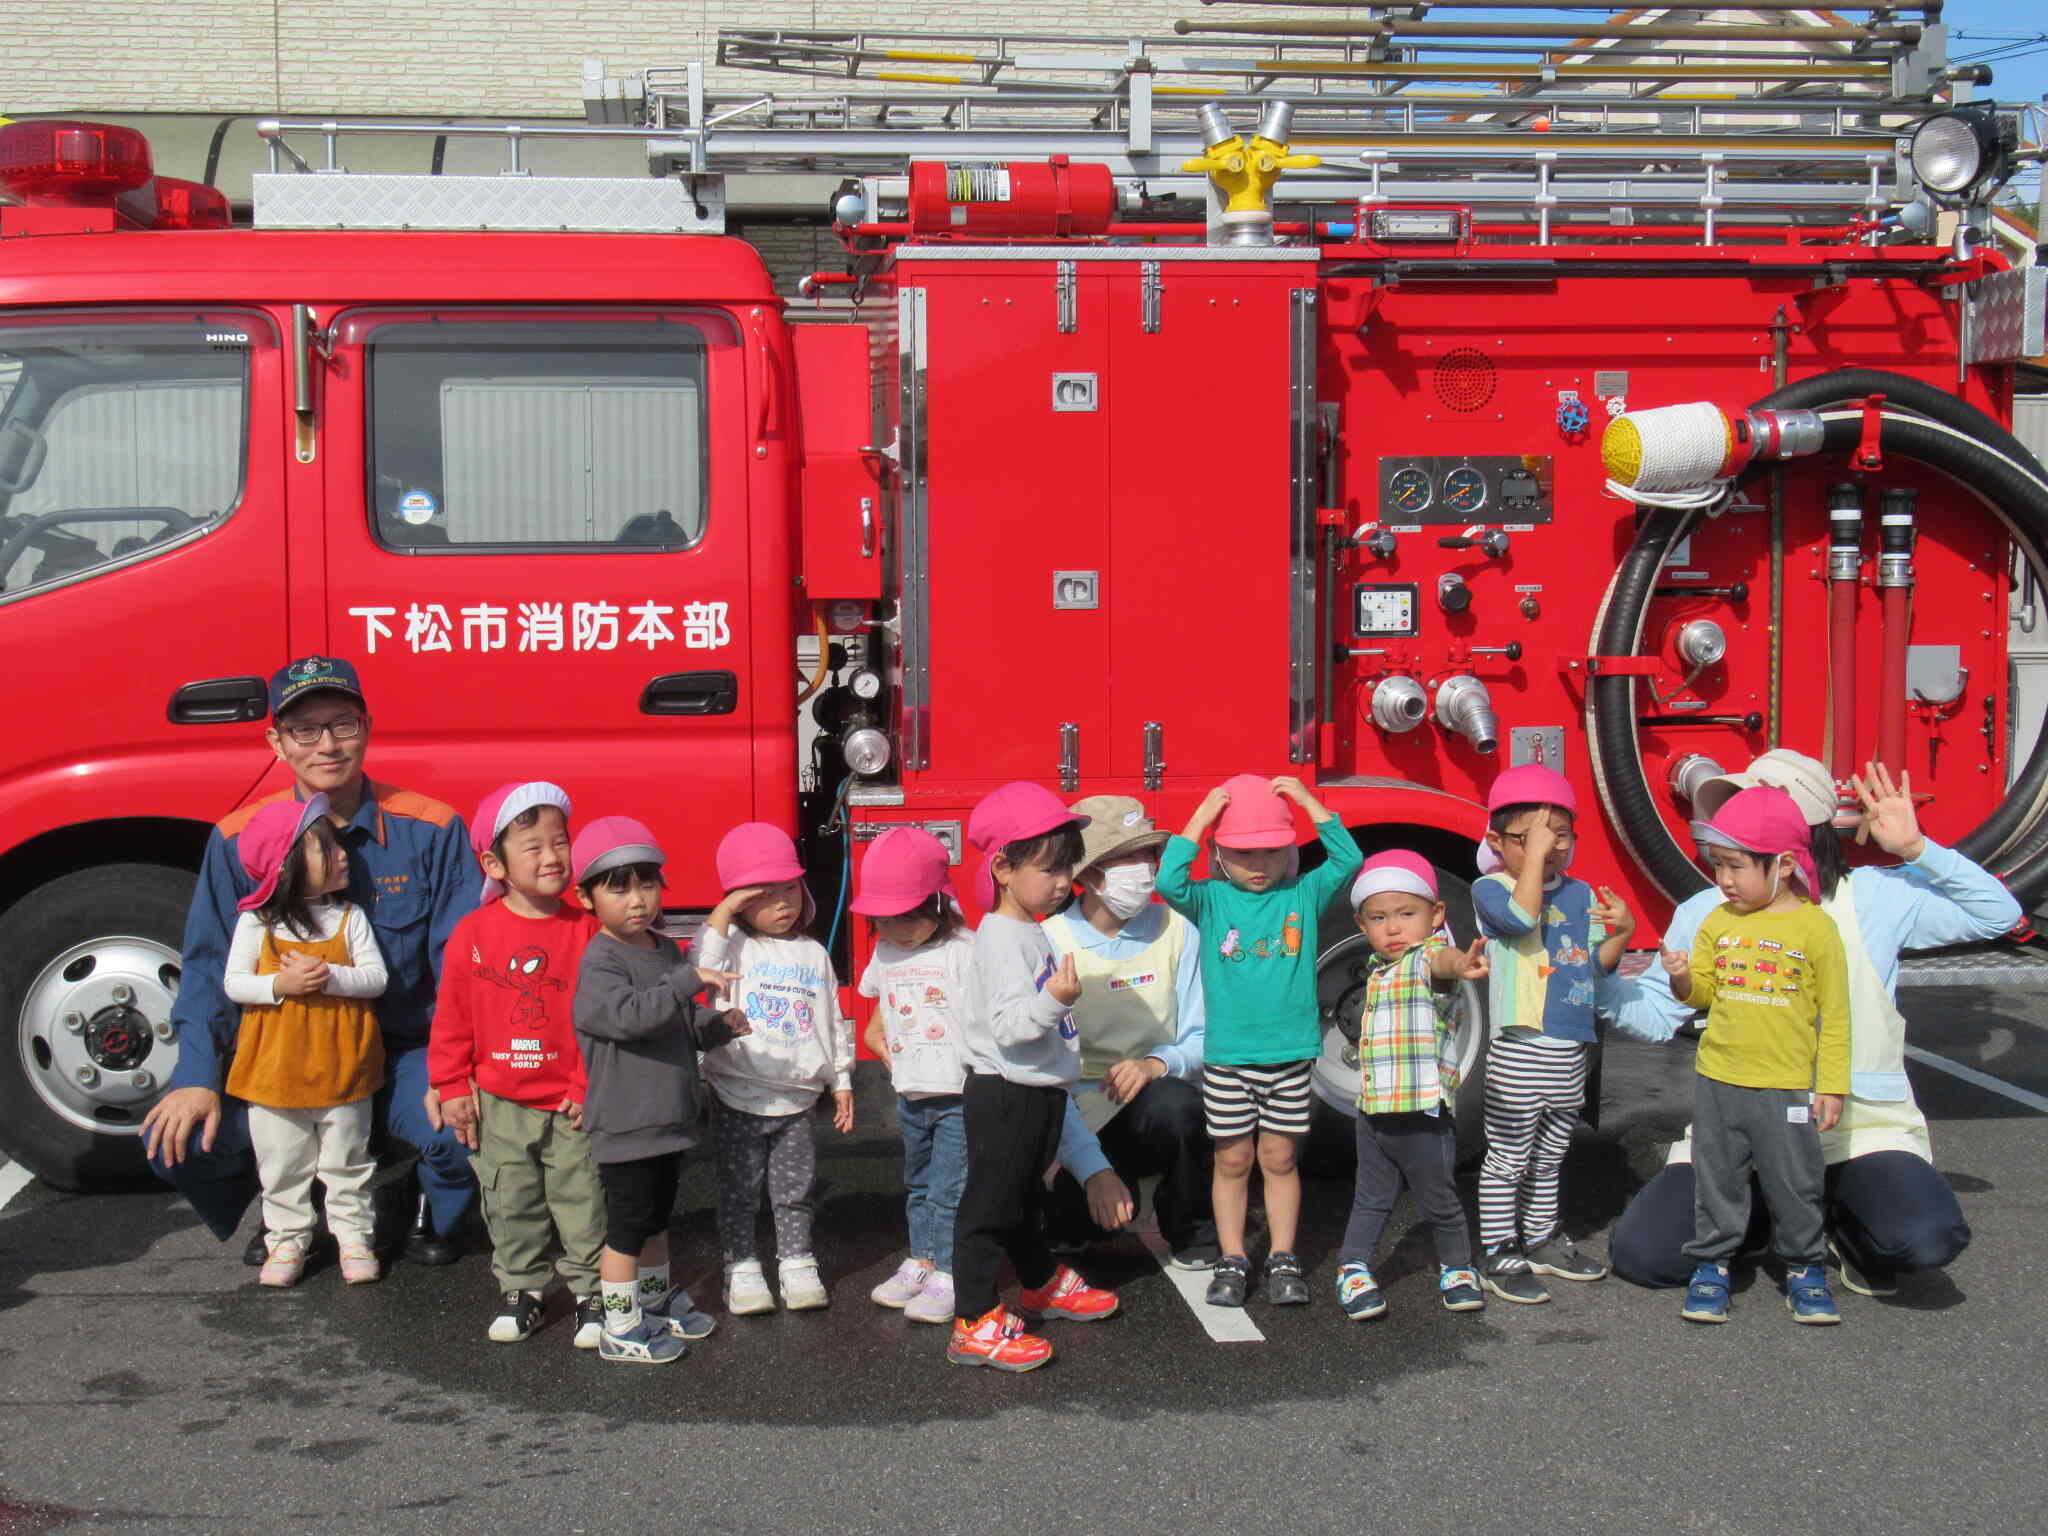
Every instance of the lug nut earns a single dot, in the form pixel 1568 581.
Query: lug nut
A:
pixel 123 993
pixel 143 1081
pixel 87 1076
pixel 164 1030
pixel 74 1022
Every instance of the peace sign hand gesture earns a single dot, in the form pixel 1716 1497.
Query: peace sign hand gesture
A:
pixel 1888 814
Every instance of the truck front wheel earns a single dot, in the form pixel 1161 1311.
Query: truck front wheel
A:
pixel 88 972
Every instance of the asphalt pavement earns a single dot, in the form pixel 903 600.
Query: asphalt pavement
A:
pixel 146 1382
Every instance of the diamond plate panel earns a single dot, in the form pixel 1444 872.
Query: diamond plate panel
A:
pixel 2007 313
pixel 612 204
pixel 1995 965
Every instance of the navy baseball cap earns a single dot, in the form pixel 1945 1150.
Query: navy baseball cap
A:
pixel 312 674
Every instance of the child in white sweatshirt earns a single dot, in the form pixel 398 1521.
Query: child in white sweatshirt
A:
pixel 766 1083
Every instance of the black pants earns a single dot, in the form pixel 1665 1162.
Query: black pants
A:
pixel 1161 1131
pixel 1013 1135
pixel 1422 1152
pixel 639 1198
pixel 1887 1211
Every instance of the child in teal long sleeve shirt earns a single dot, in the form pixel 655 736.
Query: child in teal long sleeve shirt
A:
pixel 1258 927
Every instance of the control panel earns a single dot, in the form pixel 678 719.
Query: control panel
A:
pixel 1471 488
pixel 1385 608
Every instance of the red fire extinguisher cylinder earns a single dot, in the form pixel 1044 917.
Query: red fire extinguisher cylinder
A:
pixel 1010 199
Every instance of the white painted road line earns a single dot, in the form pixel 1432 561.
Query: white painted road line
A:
pixel 13 1180
pixel 2033 1101
pixel 1226 1325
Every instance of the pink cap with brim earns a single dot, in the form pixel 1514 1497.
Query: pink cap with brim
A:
pixel 498 811
pixel 757 853
pixel 610 842
pixel 268 840
pixel 1532 784
pixel 904 868
pixel 1008 815
pixel 1258 816
pixel 1395 870
pixel 1766 820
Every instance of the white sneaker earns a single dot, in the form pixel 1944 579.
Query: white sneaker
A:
pixel 897 1290
pixel 802 1290
pixel 746 1289
pixel 934 1303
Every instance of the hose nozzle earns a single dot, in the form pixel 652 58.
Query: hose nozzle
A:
pixel 1465 708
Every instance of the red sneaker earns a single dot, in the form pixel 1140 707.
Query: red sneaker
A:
pixel 997 1338
pixel 1066 1295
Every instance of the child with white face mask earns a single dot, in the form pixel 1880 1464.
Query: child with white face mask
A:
pixel 1137 1109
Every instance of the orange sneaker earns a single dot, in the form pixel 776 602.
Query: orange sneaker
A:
pixel 997 1338
pixel 1066 1295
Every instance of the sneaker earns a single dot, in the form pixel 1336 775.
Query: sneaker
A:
pixel 1558 1255
pixel 1285 1284
pixel 1066 1295
pixel 1196 1256
pixel 1706 1298
pixel 746 1289
pixel 681 1314
pixel 359 1265
pixel 286 1261
pixel 647 1342
pixel 896 1291
pixel 589 1320
pixel 802 1290
pixel 997 1338
pixel 1459 1289
pixel 1864 1282
pixel 1807 1294
pixel 1229 1279
pixel 1358 1293
pixel 519 1315
pixel 934 1301
pixel 1507 1274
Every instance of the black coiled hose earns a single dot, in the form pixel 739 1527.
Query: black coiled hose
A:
pixel 2013 840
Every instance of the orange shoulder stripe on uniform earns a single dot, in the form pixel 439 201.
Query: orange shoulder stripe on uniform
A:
pixel 232 824
pixel 405 802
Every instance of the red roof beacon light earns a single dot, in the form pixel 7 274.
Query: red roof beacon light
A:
pixel 61 162
pixel 190 205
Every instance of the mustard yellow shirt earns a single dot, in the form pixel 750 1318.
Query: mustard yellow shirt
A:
pixel 1776 989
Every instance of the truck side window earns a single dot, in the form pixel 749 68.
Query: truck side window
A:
pixel 491 435
pixel 116 440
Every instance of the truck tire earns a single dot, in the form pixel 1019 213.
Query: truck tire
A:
pixel 1340 989
pixel 88 972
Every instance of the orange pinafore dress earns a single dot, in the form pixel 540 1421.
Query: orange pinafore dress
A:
pixel 311 1052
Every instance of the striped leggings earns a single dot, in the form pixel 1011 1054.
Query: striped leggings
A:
pixel 1533 1096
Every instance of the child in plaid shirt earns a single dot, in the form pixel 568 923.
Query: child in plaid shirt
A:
pixel 1408 1080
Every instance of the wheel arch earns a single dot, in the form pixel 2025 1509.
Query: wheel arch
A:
pixel 173 841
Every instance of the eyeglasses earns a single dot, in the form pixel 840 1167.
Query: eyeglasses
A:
pixel 1558 839
pixel 347 728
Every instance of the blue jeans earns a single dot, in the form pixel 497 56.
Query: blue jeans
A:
pixel 221 1183
pixel 934 1173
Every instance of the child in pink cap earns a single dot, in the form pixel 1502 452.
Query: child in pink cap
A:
pixel 1258 926
pixel 1552 940
pixel 304 966
pixel 918 978
pixel 1408 1080
pixel 768 1083
pixel 1773 1066
pixel 1023 1055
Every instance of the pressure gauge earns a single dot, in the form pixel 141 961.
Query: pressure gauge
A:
pixel 1465 489
pixel 1409 490
pixel 866 685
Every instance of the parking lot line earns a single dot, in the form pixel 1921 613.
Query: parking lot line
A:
pixel 2033 1101
pixel 13 1180
pixel 1226 1325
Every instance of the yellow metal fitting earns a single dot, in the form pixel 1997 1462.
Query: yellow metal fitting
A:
pixel 1245 173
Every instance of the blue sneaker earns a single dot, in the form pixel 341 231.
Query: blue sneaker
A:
pixel 680 1313
pixel 1459 1290
pixel 648 1342
pixel 1706 1298
pixel 1807 1294
pixel 1358 1293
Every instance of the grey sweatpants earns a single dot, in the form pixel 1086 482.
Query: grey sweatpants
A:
pixel 1739 1130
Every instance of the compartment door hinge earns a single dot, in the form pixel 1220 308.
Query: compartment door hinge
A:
pixel 1067 291
pixel 1152 291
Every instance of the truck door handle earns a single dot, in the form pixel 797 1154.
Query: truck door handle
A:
pixel 220 701
pixel 691 693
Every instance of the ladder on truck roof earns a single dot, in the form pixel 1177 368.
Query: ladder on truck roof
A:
pixel 1785 114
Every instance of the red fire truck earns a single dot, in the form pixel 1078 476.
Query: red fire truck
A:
pixel 1105 461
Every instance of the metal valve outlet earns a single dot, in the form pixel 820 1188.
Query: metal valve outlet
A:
pixel 1702 642
pixel 1465 708
pixel 1690 772
pixel 1399 704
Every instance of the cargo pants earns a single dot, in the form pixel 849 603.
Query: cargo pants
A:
pixel 538 1179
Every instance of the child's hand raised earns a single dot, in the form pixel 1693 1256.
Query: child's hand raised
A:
pixel 1678 966
pixel 722 983
pixel 1454 964
pixel 1064 987
pixel 1888 815
pixel 1612 913
pixel 1291 787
